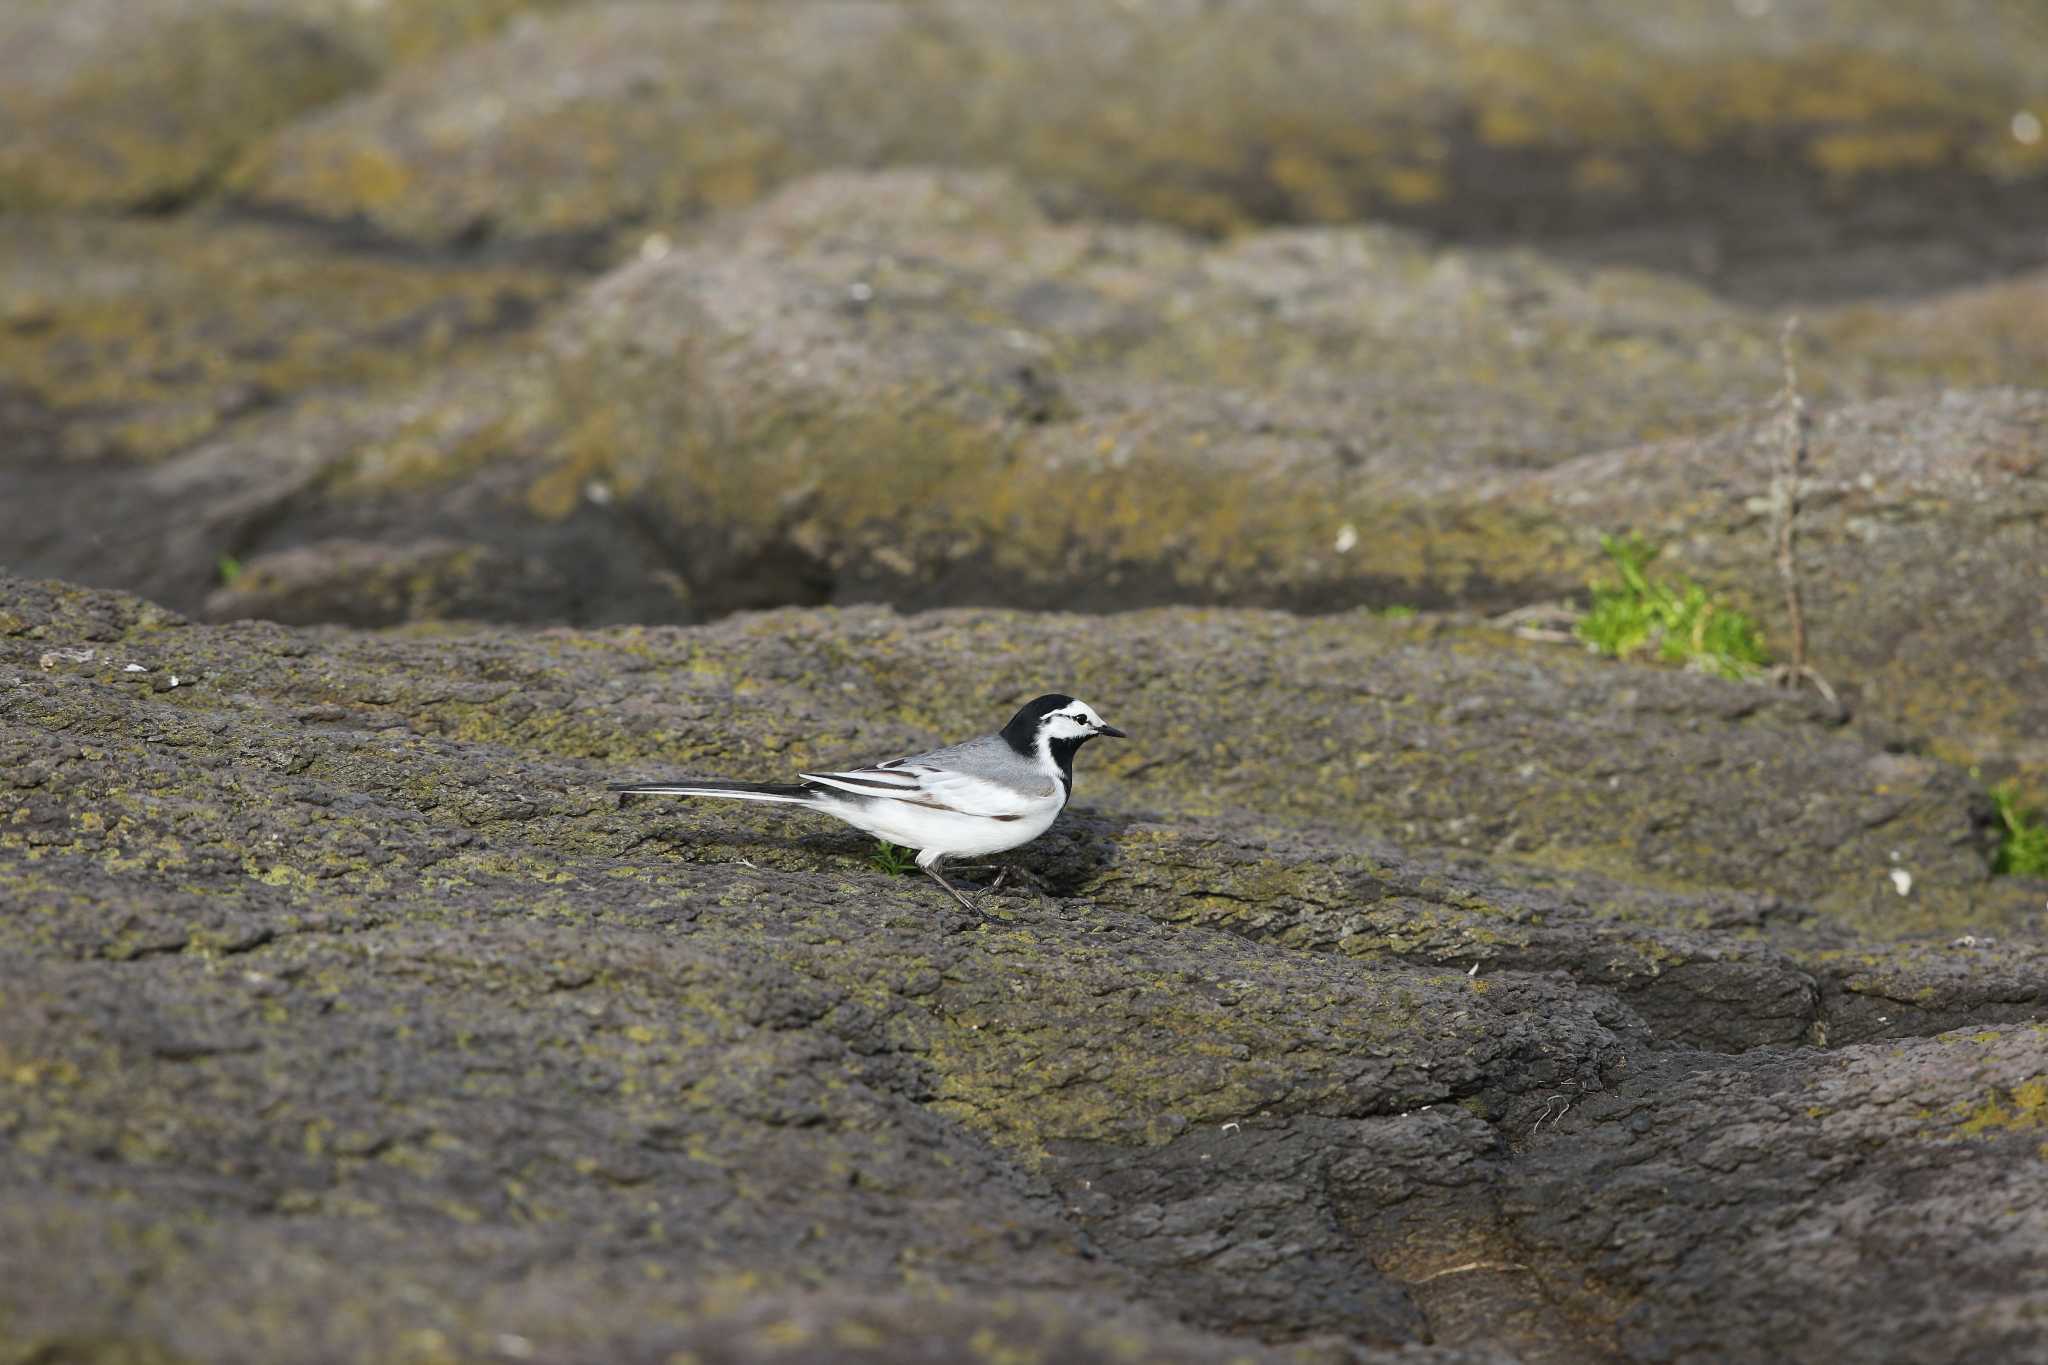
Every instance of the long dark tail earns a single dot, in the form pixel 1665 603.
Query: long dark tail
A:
pixel 781 793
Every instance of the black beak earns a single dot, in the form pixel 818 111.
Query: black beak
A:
pixel 1112 732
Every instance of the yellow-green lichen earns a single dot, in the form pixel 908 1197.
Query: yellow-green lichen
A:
pixel 2023 1107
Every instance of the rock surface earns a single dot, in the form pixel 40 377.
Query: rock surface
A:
pixel 912 386
pixel 123 104
pixel 1415 986
pixel 1922 551
pixel 124 342
pixel 346 1015
pixel 1697 135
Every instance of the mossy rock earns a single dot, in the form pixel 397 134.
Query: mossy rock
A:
pixel 1435 735
pixel 1919 552
pixel 134 340
pixel 124 104
pixel 913 386
pixel 102 106
pixel 347 1015
pixel 1734 133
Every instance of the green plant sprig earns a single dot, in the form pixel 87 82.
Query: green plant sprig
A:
pixel 895 861
pixel 1675 620
pixel 2023 852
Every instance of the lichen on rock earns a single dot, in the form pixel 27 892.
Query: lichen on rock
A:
pixel 328 950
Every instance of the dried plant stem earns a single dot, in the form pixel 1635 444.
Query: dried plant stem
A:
pixel 1791 469
pixel 1794 448
pixel 1552 622
pixel 1467 1268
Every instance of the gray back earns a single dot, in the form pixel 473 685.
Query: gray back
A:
pixel 989 758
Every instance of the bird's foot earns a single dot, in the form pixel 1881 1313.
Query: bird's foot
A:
pixel 973 906
pixel 1007 872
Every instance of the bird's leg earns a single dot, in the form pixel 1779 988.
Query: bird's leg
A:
pixel 1002 871
pixel 933 872
pixel 1016 872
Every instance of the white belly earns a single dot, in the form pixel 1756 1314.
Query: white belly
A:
pixel 946 834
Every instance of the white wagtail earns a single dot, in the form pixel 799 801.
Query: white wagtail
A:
pixel 987 795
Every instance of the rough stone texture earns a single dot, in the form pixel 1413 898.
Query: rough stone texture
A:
pixel 913 387
pixel 1693 135
pixel 147 103
pixel 1436 734
pixel 345 1015
pixel 125 340
pixel 1922 553
pixel 1867 1157
pixel 1406 991
pixel 100 105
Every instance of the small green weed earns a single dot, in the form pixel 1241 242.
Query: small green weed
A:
pixel 1676 619
pixel 229 569
pixel 2024 850
pixel 891 859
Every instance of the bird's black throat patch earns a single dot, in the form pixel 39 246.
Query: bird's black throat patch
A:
pixel 1063 751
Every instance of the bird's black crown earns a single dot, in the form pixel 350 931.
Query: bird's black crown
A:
pixel 1022 731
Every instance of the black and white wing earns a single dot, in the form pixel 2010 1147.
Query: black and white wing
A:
pixel 939 786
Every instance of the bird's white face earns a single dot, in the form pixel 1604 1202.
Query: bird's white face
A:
pixel 1076 721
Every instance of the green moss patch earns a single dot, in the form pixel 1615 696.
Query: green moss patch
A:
pixel 2023 845
pixel 1674 620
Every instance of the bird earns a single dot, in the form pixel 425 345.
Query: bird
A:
pixel 967 800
